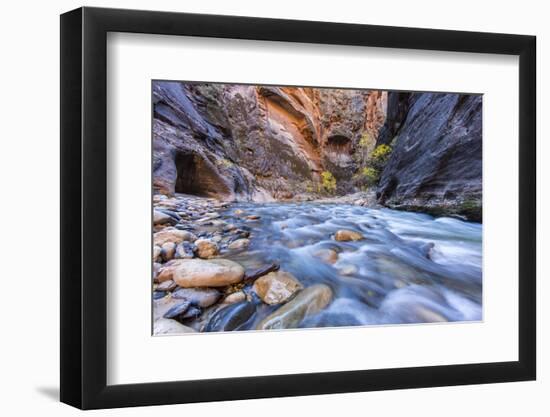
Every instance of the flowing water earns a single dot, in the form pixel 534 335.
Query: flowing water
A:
pixel 409 268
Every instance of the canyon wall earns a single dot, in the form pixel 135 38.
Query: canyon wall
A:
pixel 258 143
pixel 264 143
pixel 436 162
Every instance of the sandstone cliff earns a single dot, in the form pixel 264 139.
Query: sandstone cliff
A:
pixel 262 143
pixel 257 142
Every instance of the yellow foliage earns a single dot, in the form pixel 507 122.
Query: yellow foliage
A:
pixel 366 140
pixel 328 181
pixel 381 154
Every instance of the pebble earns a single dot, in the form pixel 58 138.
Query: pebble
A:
pixel 206 248
pixel 235 297
pixel 157 250
pixel 184 250
pixel 168 251
pixel 276 287
pixel 327 255
pixel 347 235
pixel 348 270
pixel 239 244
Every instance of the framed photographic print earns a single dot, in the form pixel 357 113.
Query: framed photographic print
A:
pixel 282 208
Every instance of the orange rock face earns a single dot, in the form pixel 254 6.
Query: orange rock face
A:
pixel 257 142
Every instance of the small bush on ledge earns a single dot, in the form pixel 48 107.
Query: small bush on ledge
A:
pixel 328 182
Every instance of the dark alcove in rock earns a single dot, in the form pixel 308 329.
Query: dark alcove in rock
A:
pixel 197 176
pixel 339 144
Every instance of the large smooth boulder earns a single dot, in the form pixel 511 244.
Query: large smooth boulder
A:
pixel 173 235
pixel 276 287
pixel 190 273
pixel 308 302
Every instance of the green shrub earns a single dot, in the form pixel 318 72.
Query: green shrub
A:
pixel 328 182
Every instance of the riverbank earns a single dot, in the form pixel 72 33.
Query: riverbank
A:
pixel 222 266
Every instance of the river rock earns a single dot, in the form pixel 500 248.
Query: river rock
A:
pixel 276 287
pixel 327 255
pixel 168 251
pixel 156 253
pixel 157 295
pixel 177 310
pixel 167 285
pixel 161 218
pixel 347 235
pixel 307 302
pixel 162 305
pixel 239 244
pixel 348 269
pixel 212 273
pixel 174 236
pixel 238 212
pixel 235 297
pixel 260 272
pixel 229 228
pixel 191 313
pixel 233 317
pixel 206 248
pixel 156 269
pixel 427 315
pixel 253 217
pixel 167 326
pixel 184 250
pixel 201 297
pixel 166 272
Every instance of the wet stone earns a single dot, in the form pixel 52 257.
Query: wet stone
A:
pixel 233 317
pixel 201 297
pixel 158 295
pixel 177 310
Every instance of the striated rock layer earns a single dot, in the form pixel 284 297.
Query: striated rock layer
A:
pixel 436 163
pixel 243 142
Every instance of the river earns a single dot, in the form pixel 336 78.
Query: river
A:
pixel 409 268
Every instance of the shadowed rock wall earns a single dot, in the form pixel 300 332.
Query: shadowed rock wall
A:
pixel 436 163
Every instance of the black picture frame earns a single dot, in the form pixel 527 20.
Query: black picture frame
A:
pixel 84 207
